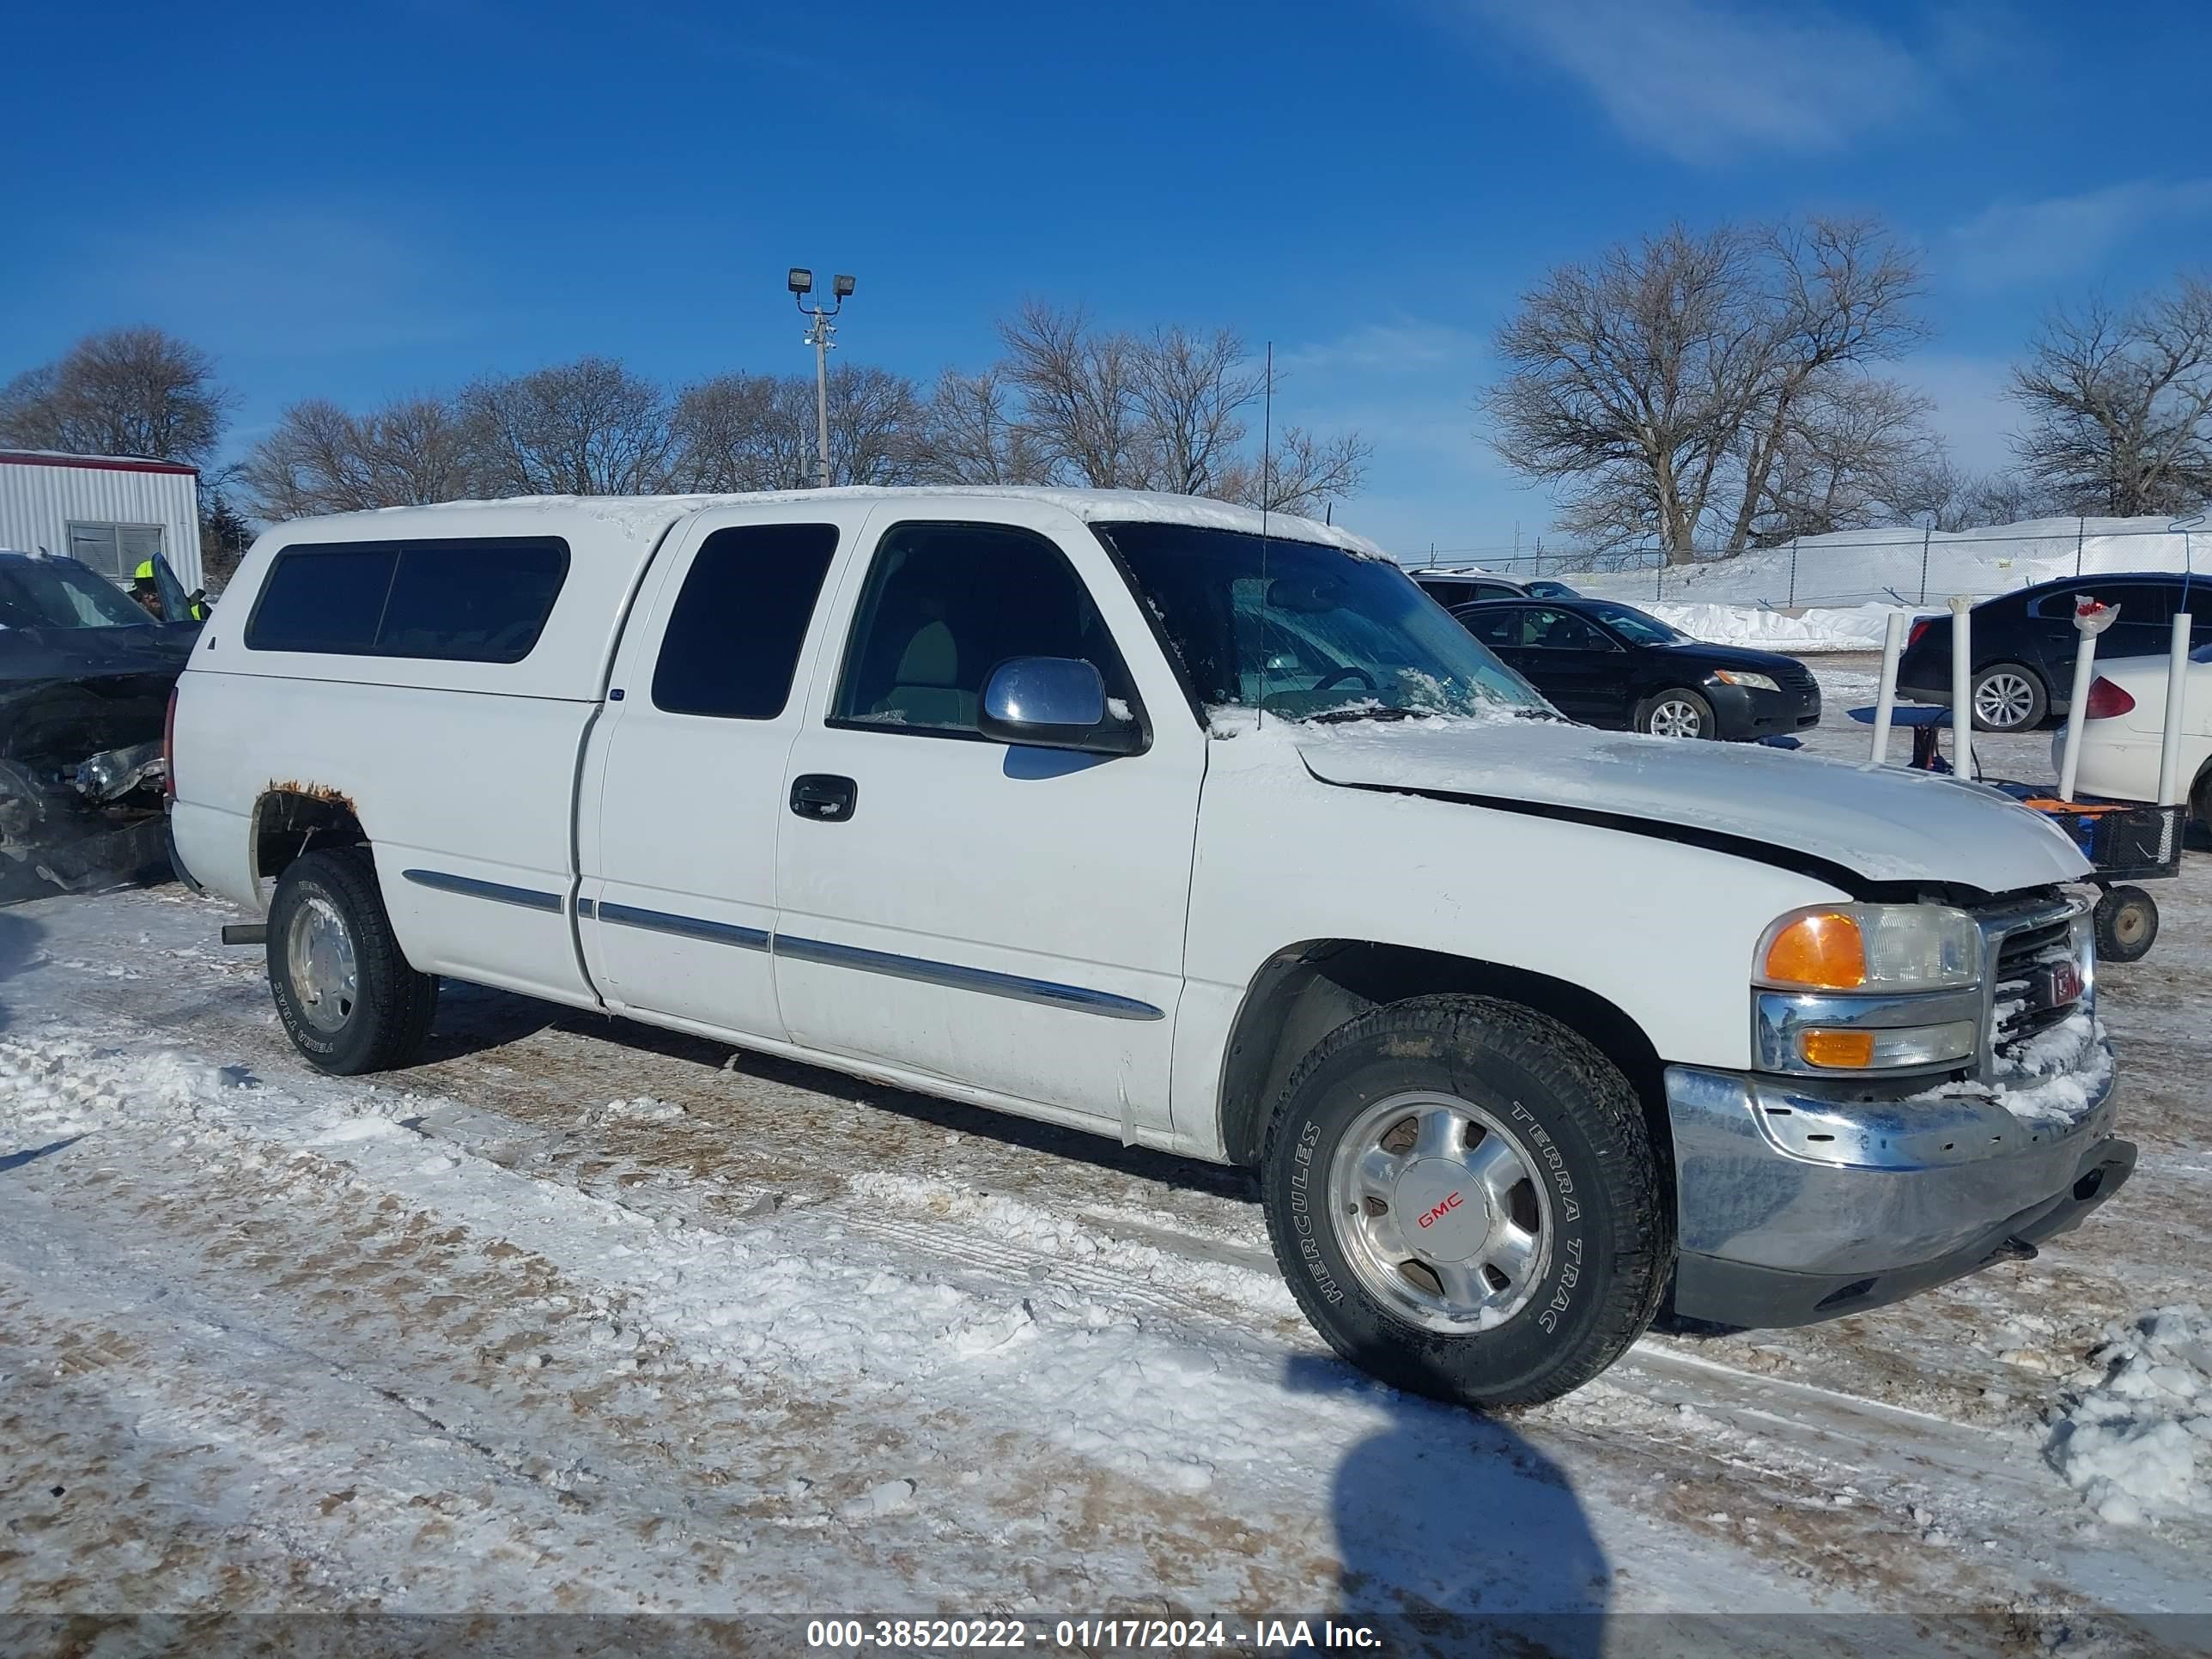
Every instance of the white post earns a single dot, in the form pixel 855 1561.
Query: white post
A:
pixel 1885 700
pixel 1962 686
pixel 2177 691
pixel 2087 623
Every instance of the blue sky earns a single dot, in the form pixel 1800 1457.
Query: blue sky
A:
pixel 362 201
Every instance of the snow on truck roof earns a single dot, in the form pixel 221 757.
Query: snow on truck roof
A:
pixel 648 515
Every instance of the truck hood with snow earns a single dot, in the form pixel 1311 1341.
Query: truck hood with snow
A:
pixel 1881 823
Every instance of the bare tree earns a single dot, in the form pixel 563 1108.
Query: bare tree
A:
pixel 745 432
pixel 127 391
pixel 876 427
pixel 1842 458
pixel 975 434
pixel 1079 397
pixel 1303 474
pixel 321 458
pixel 1933 492
pixel 589 428
pixel 1189 390
pixel 1660 389
pixel 2119 402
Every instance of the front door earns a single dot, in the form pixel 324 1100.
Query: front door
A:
pixel 683 780
pixel 1008 918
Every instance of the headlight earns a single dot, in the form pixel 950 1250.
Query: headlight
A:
pixel 1871 947
pixel 1748 680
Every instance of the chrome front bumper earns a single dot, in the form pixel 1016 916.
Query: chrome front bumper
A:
pixel 1797 1201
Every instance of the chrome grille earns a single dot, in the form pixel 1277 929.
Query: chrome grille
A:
pixel 2025 945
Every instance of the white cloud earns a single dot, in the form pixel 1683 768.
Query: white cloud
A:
pixel 1706 80
pixel 2059 236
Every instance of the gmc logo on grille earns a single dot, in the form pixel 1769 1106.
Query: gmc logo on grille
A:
pixel 2059 984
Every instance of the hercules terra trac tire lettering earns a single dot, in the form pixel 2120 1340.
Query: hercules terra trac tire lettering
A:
pixel 327 918
pixel 1514 1128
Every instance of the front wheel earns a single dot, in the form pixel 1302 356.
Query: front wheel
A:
pixel 1679 713
pixel 1464 1197
pixel 348 999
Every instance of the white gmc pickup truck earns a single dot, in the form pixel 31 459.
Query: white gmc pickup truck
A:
pixel 1140 814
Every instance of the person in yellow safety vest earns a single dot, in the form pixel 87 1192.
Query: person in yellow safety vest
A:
pixel 147 591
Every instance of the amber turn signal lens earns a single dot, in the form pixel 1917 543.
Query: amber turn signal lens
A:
pixel 1823 949
pixel 1844 1050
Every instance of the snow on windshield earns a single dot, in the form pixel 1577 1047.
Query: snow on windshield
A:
pixel 1307 631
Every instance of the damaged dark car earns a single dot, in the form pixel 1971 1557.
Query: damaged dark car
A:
pixel 86 671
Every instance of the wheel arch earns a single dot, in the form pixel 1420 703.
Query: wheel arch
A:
pixel 1306 990
pixel 293 817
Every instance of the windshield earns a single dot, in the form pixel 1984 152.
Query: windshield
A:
pixel 1632 624
pixel 63 593
pixel 1323 632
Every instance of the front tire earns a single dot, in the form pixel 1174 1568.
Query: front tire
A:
pixel 348 1000
pixel 2009 697
pixel 1465 1200
pixel 1679 713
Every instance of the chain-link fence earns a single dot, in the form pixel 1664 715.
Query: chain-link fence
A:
pixel 1853 568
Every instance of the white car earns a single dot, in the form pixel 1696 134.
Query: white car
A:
pixel 1011 797
pixel 2123 722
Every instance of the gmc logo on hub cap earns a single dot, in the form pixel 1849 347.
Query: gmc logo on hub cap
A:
pixel 1441 1211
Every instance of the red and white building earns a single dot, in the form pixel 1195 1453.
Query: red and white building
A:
pixel 113 512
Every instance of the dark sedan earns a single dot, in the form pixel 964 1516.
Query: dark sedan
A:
pixel 2024 642
pixel 1608 664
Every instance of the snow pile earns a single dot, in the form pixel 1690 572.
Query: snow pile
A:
pixel 1857 628
pixel 2137 1445
pixel 1892 564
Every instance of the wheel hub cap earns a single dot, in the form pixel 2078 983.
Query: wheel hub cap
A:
pixel 2004 700
pixel 1440 1211
pixel 320 956
pixel 1450 1213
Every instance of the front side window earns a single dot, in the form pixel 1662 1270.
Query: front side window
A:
pixel 945 605
pixel 477 599
pixel 1547 629
pixel 1496 628
pixel 1305 630
pixel 731 645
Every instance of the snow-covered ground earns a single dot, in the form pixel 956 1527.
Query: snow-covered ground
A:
pixel 580 1316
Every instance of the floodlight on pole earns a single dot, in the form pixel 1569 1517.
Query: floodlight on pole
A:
pixel 822 338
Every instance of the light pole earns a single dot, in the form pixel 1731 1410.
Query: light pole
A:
pixel 820 337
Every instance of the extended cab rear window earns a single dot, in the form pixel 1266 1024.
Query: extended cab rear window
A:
pixel 480 599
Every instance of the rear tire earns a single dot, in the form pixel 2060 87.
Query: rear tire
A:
pixel 1679 713
pixel 2009 696
pixel 348 1000
pixel 1517 1159
pixel 2127 925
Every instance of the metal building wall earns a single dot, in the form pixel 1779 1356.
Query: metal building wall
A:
pixel 37 501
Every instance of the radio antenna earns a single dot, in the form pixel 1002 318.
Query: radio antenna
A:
pixel 1266 494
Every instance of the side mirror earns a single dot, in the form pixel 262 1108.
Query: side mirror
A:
pixel 1054 702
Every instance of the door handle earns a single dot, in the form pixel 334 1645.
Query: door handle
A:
pixel 823 797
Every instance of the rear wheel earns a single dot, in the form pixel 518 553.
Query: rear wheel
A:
pixel 1464 1198
pixel 1679 713
pixel 348 1000
pixel 2009 697
pixel 2127 925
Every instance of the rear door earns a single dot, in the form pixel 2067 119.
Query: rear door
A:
pixel 685 778
pixel 1008 918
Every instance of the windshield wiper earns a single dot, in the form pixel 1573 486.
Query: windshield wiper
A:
pixel 1337 716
